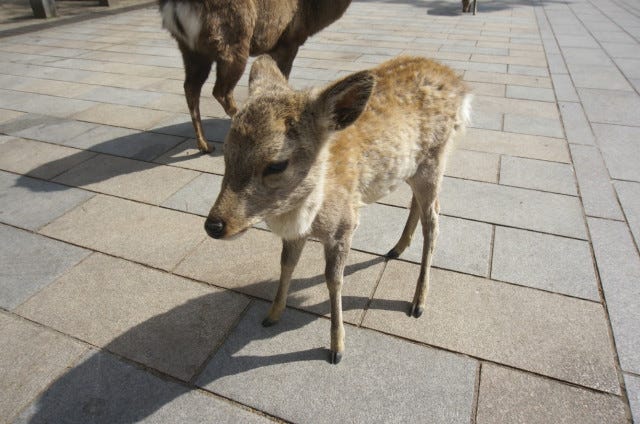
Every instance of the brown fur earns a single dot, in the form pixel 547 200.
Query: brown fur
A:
pixel 306 161
pixel 231 31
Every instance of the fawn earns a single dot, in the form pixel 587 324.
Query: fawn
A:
pixel 306 161
pixel 229 31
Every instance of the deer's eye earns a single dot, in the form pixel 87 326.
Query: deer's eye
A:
pixel 275 168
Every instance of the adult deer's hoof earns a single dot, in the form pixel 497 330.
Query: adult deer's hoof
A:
pixel 205 147
pixel 392 254
pixel 268 322
pixel 335 357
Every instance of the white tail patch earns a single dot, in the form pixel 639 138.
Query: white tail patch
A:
pixel 465 110
pixel 183 21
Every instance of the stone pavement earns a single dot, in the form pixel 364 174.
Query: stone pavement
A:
pixel 116 308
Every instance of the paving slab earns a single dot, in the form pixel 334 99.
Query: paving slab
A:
pixel 163 321
pixel 633 392
pixel 611 106
pixel 620 150
pixel 564 88
pixel 544 261
pixel 251 264
pixel 122 116
pixel 45 128
pixel 529 146
pixel 462 245
pixel 125 142
pixel 187 155
pixel 546 333
pixel 29 203
pixel 525 124
pixel 540 175
pixel 598 195
pixel 153 236
pixel 380 378
pixel 603 77
pixel 104 389
pixel 509 396
pixel 196 197
pixel 498 78
pixel 34 358
pixel 42 104
pixel 128 178
pixel 629 196
pixel 30 262
pixel 619 267
pixel 40 160
pixel 530 93
pixel 512 206
pixel 575 124
pixel 516 106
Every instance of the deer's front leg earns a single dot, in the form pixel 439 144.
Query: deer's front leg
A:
pixel 291 250
pixel 336 256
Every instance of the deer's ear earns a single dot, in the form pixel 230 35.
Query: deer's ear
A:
pixel 345 100
pixel 265 75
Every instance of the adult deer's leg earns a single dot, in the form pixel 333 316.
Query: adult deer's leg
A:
pixel 197 68
pixel 291 250
pixel 284 54
pixel 336 252
pixel 407 233
pixel 229 69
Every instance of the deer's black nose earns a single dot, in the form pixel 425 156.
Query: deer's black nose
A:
pixel 214 227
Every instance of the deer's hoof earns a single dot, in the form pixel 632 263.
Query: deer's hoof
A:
pixel 335 357
pixel 392 254
pixel 205 147
pixel 416 311
pixel 268 322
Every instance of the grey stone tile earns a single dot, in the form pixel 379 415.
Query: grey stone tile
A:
pixel 498 78
pixel 37 159
pixel 611 106
pixel 187 155
pixel 585 56
pixel 556 64
pixel 484 119
pixel 598 196
pixel 605 77
pixel 103 389
pixel 511 325
pixel 487 88
pixel 629 67
pixel 42 104
pixel 564 89
pixel 509 396
pixel 585 41
pixel 536 174
pixel 251 264
pixel 33 358
pixel 619 267
pixel 575 123
pixel 124 142
pixel 543 261
pixel 391 373
pixel 215 129
pixel 534 147
pixel 462 245
pixel 196 197
pixel 621 50
pixel 620 150
pixel 46 128
pixel 30 262
pixel 30 203
pixel 127 178
pixel 528 70
pixel 632 383
pixel 153 236
pixel 488 104
pixel 530 93
pixel 158 319
pixel 533 125
pixel 512 206
pixel 629 195
pixel 122 116
pixel 472 165
pixel 122 96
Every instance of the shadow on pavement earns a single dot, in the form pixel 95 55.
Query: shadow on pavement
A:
pixel 102 389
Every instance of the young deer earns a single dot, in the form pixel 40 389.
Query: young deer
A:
pixel 306 161
pixel 229 31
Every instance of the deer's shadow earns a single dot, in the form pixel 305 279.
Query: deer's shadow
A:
pixel 105 389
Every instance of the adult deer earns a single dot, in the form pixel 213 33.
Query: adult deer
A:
pixel 229 31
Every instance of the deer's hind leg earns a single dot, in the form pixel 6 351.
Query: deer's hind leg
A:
pixel 407 233
pixel 196 68
pixel 425 186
